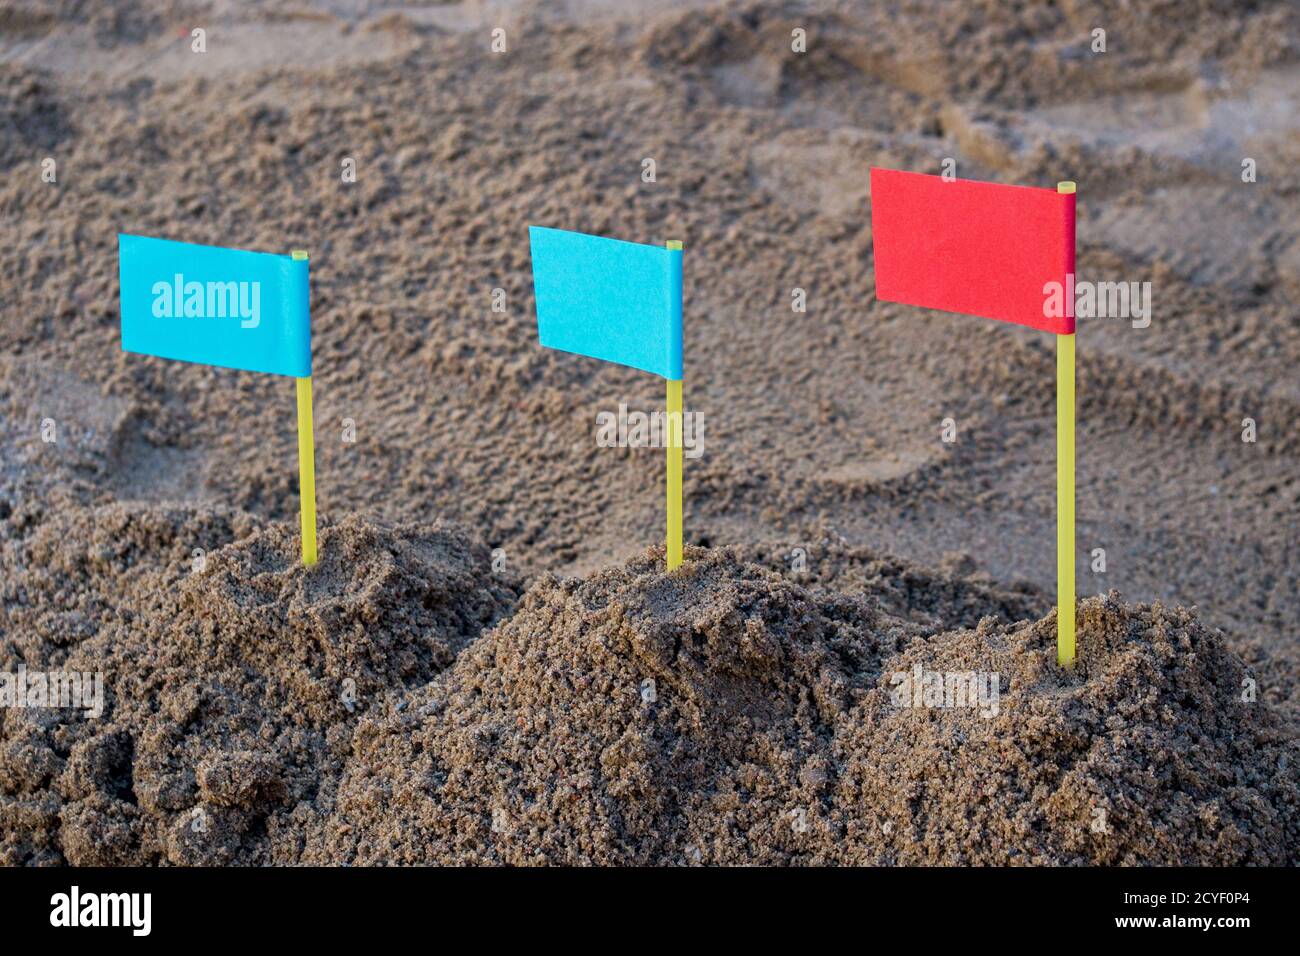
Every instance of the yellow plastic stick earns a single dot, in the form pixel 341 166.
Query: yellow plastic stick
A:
pixel 306 472
pixel 674 443
pixel 1065 489
pixel 306 463
pixel 674 473
pixel 1065 500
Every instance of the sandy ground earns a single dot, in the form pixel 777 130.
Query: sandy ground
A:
pixel 822 433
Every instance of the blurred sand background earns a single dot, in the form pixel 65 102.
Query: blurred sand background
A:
pixel 820 427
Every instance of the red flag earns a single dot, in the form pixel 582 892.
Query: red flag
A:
pixel 976 248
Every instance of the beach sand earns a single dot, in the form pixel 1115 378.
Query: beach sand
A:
pixel 462 678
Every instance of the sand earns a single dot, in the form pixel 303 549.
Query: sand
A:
pixel 367 711
pixel 460 680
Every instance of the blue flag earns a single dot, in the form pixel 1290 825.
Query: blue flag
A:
pixel 612 300
pixel 217 306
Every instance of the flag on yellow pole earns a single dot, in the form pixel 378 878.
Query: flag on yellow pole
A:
pixel 226 307
pixel 621 302
pixel 995 251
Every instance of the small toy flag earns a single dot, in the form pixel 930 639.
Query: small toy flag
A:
pixel 621 302
pixel 990 250
pixel 225 307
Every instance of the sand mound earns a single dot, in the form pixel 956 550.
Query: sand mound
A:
pixel 632 717
pixel 231 679
pixel 1152 752
pixel 400 703
pixel 727 715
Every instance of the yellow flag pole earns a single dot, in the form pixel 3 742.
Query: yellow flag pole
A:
pixel 306 462
pixel 674 473
pixel 674 443
pixel 1065 490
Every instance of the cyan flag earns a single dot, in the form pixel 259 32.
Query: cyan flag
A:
pixel 217 306
pixel 612 300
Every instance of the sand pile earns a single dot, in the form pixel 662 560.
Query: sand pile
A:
pixel 1154 751
pixel 401 703
pixel 231 678
pixel 729 716
pixel 633 717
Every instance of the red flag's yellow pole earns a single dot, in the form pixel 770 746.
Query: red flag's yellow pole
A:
pixel 1065 490
pixel 674 443
pixel 306 462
